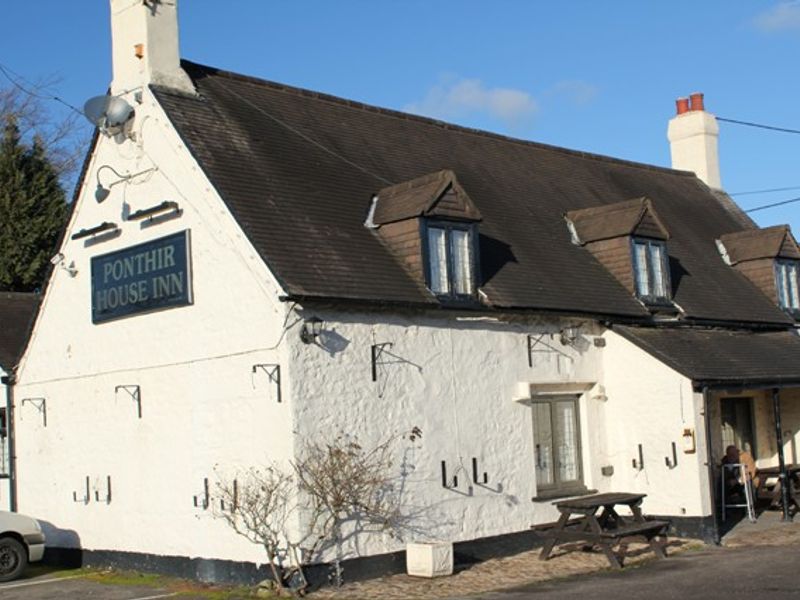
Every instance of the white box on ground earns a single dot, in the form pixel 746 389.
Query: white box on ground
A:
pixel 429 559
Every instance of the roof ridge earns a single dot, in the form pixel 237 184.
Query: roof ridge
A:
pixel 431 121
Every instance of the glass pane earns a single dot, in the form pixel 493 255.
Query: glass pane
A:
pixel 566 441
pixel 791 275
pixel 642 277
pixel 657 267
pixel 462 261
pixel 437 256
pixel 543 444
pixel 780 276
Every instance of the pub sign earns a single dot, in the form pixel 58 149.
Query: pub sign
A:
pixel 142 278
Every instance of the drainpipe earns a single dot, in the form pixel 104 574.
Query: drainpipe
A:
pixel 9 381
pixel 784 479
pixel 710 462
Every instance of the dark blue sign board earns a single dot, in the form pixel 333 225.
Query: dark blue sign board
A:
pixel 142 278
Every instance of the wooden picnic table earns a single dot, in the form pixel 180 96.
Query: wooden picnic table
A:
pixel 607 528
pixel 769 473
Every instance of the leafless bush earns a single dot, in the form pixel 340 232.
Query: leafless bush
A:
pixel 337 488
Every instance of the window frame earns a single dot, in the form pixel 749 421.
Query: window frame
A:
pixel 448 226
pixel 559 488
pixel 793 268
pixel 650 298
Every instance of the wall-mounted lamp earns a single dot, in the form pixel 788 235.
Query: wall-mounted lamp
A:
pixel 60 261
pixel 569 335
pixel 102 192
pixel 312 327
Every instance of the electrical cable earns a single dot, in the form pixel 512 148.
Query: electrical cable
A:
pixel 6 72
pixel 769 191
pixel 773 205
pixel 759 125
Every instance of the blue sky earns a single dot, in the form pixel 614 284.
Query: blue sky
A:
pixel 594 76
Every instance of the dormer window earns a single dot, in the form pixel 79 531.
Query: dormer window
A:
pixel 770 258
pixel 630 240
pixel 430 224
pixel 651 270
pixel 786 280
pixel 450 259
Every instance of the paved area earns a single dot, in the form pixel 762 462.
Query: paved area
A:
pixel 754 572
pixel 526 569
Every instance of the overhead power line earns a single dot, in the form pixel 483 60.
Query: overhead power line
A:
pixel 759 125
pixel 783 189
pixel 773 205
pixel 15 81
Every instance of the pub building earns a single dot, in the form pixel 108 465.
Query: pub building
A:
pixel 249 266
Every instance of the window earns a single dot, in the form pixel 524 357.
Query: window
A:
pixel 786 279
pixel 651 270
pixel 450 260
pixel 4 455
pixel 556 439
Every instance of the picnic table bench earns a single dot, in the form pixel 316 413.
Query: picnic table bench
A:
pixel 606 529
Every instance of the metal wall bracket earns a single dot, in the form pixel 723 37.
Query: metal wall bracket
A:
pixel 475 478
pixel 274 374
pixel 639 464
pixel 107 498
pixel 203 501
pixel 134 391
pixel 376 351
pixel 234 501
pixel 674 462
pixel 86 496
pixel 40 404
pixel 448 484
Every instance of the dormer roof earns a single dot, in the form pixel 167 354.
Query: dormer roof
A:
pixel 753 244
pixel 434 195
pixel 630 217
pixel 17 311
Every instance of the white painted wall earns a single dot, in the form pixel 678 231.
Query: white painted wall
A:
pixel 202 405
pixel 650 404
pixel 460 382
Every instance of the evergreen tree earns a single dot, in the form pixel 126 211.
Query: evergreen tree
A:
pixel 33 210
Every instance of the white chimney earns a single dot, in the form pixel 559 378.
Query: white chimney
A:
pixel 693 135
pixel 144 45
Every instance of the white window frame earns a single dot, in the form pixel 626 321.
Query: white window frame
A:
pixel 787 284
pixel 650 295
pixel 449 291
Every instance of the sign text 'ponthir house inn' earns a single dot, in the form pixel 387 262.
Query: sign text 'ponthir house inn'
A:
pixel 145 277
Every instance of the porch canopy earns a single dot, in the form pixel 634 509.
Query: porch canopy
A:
pixel 723 357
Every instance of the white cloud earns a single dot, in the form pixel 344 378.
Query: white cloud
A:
pixel 782 17
pixel 466 97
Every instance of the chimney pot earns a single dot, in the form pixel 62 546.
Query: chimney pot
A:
pixel 696 100
pixel 682 105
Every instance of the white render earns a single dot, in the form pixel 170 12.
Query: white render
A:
pixel 153 26
pixel 693 143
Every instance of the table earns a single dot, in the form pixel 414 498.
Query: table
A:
pixel 607 528
pixel 793 471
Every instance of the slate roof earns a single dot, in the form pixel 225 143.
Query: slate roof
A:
pixel 720 356
pixel 418 197
pixel 298 170
pixel 759 243
pixel 17 312
pixel 612 220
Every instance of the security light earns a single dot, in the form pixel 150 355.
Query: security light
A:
pixel 312 327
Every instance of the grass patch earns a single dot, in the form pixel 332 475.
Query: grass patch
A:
pixel 181 587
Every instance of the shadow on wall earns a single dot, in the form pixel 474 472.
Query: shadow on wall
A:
pixel 62 546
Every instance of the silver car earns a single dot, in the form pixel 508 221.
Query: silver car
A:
pixel 21 542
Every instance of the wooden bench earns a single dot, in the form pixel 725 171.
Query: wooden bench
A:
pixel 607 531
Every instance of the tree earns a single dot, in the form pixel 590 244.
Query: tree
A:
pixel 32 209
